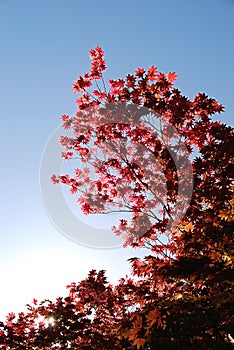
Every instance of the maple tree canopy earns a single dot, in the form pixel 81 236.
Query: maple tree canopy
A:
pixel 160 157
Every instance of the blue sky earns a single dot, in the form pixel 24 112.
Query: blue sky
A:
pixel 44 47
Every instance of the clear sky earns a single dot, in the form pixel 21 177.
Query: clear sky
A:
pixel 44 47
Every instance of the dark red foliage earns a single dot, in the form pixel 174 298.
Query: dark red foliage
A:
pixel 180 296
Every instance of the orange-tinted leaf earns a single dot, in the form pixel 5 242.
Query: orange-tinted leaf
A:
pixel 139 342
pixel 189 227
pixel 152 316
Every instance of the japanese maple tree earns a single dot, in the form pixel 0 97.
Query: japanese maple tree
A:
pixel 160 157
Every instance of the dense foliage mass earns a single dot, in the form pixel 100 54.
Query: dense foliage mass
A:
pixel 180 295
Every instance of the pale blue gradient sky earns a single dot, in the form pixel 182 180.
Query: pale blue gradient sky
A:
pixel 44 46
